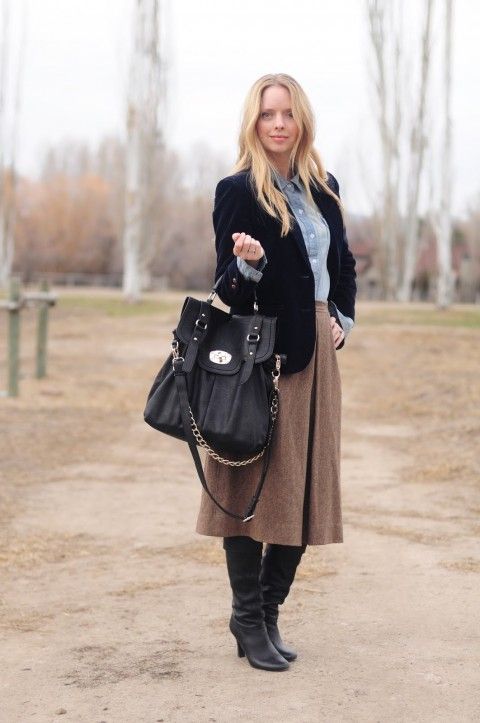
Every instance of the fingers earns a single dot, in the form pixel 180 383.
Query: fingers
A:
pixel 247 247
pixel 339 340
pixel 337 331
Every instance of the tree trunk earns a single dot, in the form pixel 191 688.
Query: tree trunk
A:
pixel 142 142
pixel 389 118
pixel 444 231
pixel 6 237
pixel 9 139
pixel 417 151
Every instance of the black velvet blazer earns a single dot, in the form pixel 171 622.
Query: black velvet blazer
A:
pixel 286 289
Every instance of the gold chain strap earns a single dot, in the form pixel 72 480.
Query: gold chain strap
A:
pixel 233 463
pixel 273 411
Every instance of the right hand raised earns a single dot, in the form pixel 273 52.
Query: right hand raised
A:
pixel 247 248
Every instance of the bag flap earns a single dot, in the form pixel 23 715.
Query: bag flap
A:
pixel 223 349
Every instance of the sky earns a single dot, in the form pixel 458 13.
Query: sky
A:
pixel 76 68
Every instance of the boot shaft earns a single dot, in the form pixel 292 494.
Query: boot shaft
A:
pixel 277 572
pixel 244 559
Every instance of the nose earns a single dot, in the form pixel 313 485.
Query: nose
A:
pixel 279 121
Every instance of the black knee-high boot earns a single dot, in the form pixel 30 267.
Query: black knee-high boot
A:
pixel 277 573
pixel 247 623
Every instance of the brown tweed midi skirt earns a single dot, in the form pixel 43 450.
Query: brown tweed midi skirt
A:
pixel 301 498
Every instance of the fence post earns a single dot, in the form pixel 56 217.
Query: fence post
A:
pixel 13 337
pixel 42 331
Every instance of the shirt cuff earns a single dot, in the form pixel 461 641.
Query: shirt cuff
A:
pixel 346 321
pixel 248 271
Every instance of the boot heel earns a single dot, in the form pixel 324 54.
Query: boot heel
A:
pixel 240 651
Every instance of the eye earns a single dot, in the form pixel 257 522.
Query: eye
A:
pixel 264 114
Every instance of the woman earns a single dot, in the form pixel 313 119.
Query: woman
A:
pixel 279 229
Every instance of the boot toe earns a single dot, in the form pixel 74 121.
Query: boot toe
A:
pixel 285 650
pixel 255 644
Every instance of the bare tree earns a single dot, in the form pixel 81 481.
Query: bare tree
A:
pixel 9 123
pixel 6 240
pixel 403 138
pixel 418 142
pixel 471 232
pixel 143 143
pixel 385 31
pixel 444 227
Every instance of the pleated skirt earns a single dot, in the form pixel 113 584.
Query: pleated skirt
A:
pixel 301 498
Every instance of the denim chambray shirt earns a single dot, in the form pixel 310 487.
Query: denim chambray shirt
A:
pixel 316 234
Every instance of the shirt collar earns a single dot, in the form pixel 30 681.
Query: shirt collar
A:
pixel 283 182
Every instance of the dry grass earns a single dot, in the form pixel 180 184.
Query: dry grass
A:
pixel 131 591
pixel 420 536
pixel 421 367
pixel 28 551
pixel 403 368
pixel 208 552
pixel 470 564
pixel 26 622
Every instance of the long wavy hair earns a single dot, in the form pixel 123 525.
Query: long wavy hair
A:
pixel 304 158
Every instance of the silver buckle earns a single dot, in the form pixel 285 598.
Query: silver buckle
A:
pixel 201 324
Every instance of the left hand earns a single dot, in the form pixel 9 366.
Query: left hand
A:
pixel 337 331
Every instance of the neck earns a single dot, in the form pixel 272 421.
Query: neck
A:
pixel 283 168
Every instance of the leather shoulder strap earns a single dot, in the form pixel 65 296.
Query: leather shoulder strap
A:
pixel 181 385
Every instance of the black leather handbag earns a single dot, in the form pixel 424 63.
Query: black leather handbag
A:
pixel 218 388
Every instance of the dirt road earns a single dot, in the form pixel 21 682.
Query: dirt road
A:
pixel 112 609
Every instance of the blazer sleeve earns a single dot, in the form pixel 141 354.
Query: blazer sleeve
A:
pixel 231 214
pixel 345 291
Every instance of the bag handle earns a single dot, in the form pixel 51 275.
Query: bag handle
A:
pixel 213 294
pixel 181 384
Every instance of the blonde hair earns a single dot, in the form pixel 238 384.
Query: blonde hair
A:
pixel 304 157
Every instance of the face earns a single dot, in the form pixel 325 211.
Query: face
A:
pixel 276 127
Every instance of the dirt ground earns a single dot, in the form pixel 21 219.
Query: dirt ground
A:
pixel 112 609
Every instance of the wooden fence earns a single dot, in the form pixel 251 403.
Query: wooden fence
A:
pixel 14 305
